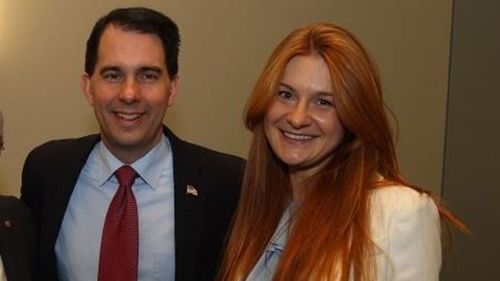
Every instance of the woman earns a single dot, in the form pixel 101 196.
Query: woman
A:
pixel 323 197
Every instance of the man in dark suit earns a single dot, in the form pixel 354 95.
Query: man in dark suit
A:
pixel 17 236
pixel 180 200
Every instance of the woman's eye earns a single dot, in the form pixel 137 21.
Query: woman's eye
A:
pixel 325 102
pixel 285 95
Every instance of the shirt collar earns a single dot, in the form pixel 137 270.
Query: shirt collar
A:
pixel 146 167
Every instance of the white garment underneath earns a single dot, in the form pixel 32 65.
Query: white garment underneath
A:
pixel 2 271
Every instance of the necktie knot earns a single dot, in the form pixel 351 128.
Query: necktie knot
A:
pixel 126 175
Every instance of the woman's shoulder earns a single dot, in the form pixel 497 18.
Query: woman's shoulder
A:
pixel 405 227
pixel 401 203
pixel 400 197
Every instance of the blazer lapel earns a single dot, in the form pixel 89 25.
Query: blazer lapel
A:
pixel 17 241
pixel 8 242
pixel 66 181
pixel 58 190
pixel 189 198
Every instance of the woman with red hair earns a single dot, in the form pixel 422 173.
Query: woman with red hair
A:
pixel 323 197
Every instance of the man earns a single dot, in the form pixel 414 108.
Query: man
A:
pixel 164 213
pixel 16 235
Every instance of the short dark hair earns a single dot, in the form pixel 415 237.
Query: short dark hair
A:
pixel 141 20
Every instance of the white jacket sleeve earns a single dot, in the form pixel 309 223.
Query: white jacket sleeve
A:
pixel 406 229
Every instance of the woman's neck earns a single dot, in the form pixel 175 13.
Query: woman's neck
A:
pixel 299 182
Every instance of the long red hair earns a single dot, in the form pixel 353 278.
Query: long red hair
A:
pixel 329 237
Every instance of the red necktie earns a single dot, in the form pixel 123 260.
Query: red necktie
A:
pixel 120 235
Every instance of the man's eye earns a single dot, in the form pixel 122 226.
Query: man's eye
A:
pixel 112 76
pixel 148 76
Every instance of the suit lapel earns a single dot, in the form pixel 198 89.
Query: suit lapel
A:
pixel 189 199
pixel 9 240
pixel 64 182
pixel 16 239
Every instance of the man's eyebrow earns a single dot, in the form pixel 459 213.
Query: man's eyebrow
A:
pixel 109 68
pixel 150 68
pixel 140 70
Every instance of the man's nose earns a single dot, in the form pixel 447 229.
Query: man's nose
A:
pixel 130 91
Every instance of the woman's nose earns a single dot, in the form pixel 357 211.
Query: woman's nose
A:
pixel 299 116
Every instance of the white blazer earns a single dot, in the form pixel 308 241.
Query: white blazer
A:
pixel 406 228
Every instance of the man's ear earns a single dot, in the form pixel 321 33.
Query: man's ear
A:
pixel 174 88
pixel 86 88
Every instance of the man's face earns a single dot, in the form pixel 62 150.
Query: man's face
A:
pixel 130 91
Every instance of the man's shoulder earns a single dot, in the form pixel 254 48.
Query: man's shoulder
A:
pixel 7 200
pixel 9 204
pixel 58 154
pixel 64 146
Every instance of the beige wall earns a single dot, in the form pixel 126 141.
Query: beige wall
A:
pixel 472 159
pixel 225 44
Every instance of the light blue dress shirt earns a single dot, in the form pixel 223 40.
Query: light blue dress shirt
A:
pixel 268 261
pixel 79 241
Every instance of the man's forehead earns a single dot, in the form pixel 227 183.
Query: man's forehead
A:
pixel 121 44
pixel 115 29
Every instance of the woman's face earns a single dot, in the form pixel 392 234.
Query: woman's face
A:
pixel 301 124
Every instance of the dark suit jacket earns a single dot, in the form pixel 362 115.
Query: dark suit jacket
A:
pixel 17 239
pixel 201 222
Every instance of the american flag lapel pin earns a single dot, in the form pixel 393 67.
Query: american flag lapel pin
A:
pixel 191 190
